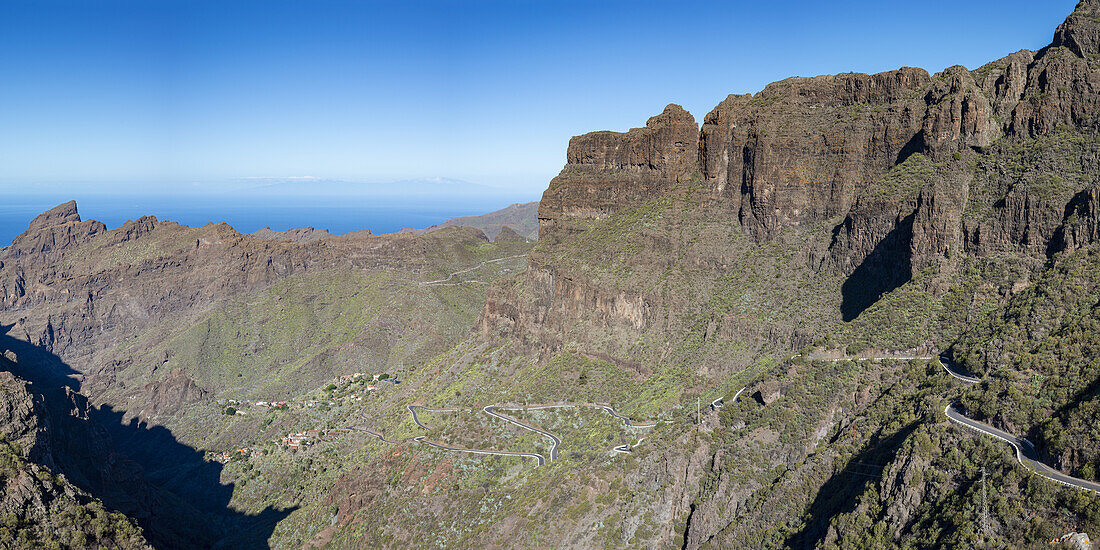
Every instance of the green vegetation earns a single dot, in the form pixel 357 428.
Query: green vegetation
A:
pixel 904 181
pixel 1047 170
pixel 899 475
pixel 1038 355
pixel 39 510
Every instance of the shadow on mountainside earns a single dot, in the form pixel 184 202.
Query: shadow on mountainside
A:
pixel 886 268
pixel 839 495
pixel 140 470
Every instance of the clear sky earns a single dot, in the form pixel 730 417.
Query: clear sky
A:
pixel 150 94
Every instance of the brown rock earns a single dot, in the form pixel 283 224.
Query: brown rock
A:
pixel 1081 30
pixel 509 235
pixel 55 229
pixel 308 234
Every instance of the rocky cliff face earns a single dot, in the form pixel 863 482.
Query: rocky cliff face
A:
pixel 879 176
pixel 606 171
pixel 38 507
pixel 75 289
pixel 54 230
pixel 124 333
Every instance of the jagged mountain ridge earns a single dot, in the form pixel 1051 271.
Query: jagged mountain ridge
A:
pixel 902 205
pixel 881 176
pixel 677 264
pixel 127 336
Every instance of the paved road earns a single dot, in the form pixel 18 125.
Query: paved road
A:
pixel 372 432
pixel 627 449
pixel 1025 451
pixel 952 369
pixel 624 448
pixel 467 270
pixel 420 439
pixel 554 441
pixel 628 422
pixel 718 403
pixel 416 419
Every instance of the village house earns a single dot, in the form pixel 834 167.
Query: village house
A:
pixel 301 439
pixel 226 456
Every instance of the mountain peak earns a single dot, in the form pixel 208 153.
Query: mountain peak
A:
pixel 58 215
pixel 671 116
pixel 54 229
pixel 1081 30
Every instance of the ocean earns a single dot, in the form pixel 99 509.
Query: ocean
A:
pixel 334 214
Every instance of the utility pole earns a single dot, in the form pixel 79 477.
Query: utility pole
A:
pixel 985 510
pixel 698 410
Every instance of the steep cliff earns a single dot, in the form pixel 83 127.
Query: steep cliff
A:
pixel 38 507
pixel 894 211
pixel 737 263
pixel 127 336
pixel 866 181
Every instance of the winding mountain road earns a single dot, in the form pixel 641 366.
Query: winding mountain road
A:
pixel 719 403
pixel 416 419
pixel 554 440
pixel 1025 451
pixel 628 422
pixel 372 432
pixel 624 448
pixel 420 439
pixel 1026 454
pixel 467 270
pixel 944 361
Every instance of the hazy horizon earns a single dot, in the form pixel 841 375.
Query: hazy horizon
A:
pixel 336 214
pixel 137 96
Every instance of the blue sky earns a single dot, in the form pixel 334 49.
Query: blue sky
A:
pixel 148 95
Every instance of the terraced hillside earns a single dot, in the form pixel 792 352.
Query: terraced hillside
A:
pixel 761 297
pixel 154 323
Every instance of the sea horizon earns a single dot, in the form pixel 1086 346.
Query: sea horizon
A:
pixel 338 215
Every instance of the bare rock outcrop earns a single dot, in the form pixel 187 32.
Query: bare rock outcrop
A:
pixel 55 229
pixel 881 176
pixel 304 235
pixel 609 170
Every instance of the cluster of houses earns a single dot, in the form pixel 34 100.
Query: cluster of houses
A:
pixel 271 404
pixel 372 386
pixel 226 456
pixel 299 439
pixel 302 439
